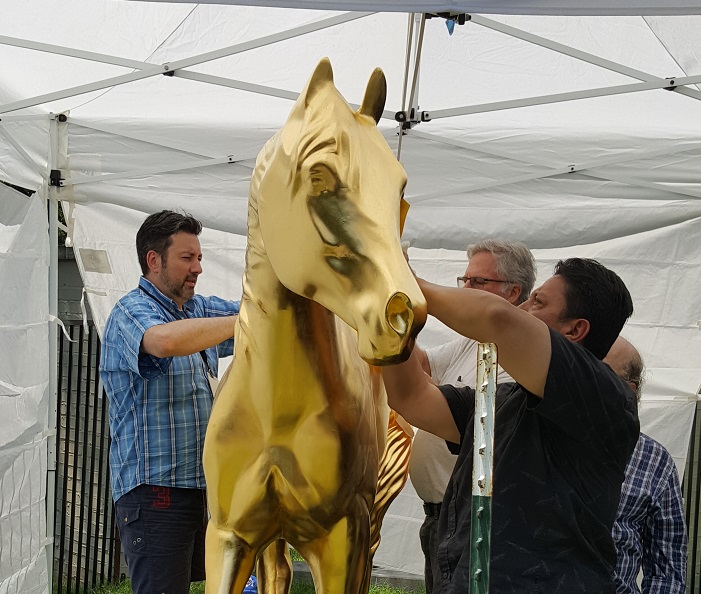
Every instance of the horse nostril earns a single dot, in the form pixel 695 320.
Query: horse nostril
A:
pixel 399 313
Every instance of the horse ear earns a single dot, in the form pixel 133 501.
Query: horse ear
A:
pixel 323 75
pixel 375 96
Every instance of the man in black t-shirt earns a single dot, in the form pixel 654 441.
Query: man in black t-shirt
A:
pixel 563 432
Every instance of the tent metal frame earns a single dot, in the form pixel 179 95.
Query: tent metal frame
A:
pixel 178 68
pixel 414 43
pixel 147 70
pixel 51 196
pixel 575 53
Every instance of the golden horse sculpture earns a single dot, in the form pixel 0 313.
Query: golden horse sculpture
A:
pixel 300 423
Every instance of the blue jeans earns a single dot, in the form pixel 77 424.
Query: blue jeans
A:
pixel 162 530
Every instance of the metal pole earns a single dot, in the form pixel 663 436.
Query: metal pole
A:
pixel 482 468
pixel 51 197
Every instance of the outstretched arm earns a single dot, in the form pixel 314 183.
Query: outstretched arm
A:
pixel 523 341
pixel 186 337
pixel 413 395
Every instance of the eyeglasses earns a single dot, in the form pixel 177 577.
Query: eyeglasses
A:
pixel 477 282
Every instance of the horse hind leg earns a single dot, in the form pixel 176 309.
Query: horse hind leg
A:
pixel 274 569
pixel 228 561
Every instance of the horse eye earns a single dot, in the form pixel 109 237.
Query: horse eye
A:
pixel 343 266
pixel 318 185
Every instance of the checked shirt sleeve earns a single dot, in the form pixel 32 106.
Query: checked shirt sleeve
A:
pixel 664 538
pixel 132 317
pixel 215 307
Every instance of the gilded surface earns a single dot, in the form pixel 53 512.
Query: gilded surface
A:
pixel 300 424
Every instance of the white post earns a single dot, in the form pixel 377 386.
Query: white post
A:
pixel 51 195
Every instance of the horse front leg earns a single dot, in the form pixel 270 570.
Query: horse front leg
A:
pixel 274 569
pixel 338 561
pixel 228 561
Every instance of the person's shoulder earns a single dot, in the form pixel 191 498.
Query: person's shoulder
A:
pixel 126 301
pixel 564 344
pixel 136 294
pixel 447 353
pixel 457 345
pixel 655 461
pixel 653 448
pixel 135 307
pixel 567 350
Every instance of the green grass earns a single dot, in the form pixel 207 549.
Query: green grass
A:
pixel 298 587
pixel 125 588
pixel 295 555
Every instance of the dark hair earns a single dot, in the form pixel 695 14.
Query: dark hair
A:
pixel 157 230
pixel 598 295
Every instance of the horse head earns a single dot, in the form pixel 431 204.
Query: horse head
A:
pixel 333 183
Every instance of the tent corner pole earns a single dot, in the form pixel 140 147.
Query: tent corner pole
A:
pixel 51 196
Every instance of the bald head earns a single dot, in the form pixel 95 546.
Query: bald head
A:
pixel 625 361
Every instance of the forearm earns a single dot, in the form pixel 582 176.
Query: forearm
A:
pixel 402 382
pixel 185 337
pixel 469 312
pixel 523 341
pixel 413 395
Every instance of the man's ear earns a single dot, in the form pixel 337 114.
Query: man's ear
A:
pixel 578 330
pixel 513 295
pixel 153 261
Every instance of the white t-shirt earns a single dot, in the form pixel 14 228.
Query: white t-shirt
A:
pixel 431 463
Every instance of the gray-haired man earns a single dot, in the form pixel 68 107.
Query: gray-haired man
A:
pixel 506 269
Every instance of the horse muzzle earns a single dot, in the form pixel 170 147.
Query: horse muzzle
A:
pixel 391 339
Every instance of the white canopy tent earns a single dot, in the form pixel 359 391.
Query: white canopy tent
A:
pixel 579 135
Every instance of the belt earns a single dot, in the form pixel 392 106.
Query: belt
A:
pixel 432 509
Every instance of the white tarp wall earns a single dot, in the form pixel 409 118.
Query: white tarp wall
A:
pixel 24 393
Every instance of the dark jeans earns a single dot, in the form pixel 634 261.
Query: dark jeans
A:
pixel 162 530
pixel 429 543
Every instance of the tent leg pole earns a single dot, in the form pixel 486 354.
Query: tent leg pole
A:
pixel 52 454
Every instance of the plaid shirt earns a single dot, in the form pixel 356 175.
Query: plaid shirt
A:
pixel 158 408
pixel 650 529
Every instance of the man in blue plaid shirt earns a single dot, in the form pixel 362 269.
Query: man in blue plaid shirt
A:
pixel 649 532
pixel 160 348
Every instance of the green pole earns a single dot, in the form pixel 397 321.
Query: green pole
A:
pixel 482 468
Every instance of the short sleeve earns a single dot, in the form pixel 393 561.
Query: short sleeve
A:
pixel 461 402
pixel 131 321
pixel 585 399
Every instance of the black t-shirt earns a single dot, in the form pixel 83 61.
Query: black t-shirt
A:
pixel 559 463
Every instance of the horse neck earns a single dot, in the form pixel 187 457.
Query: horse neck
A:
pixel 271 312
pixel 262 290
